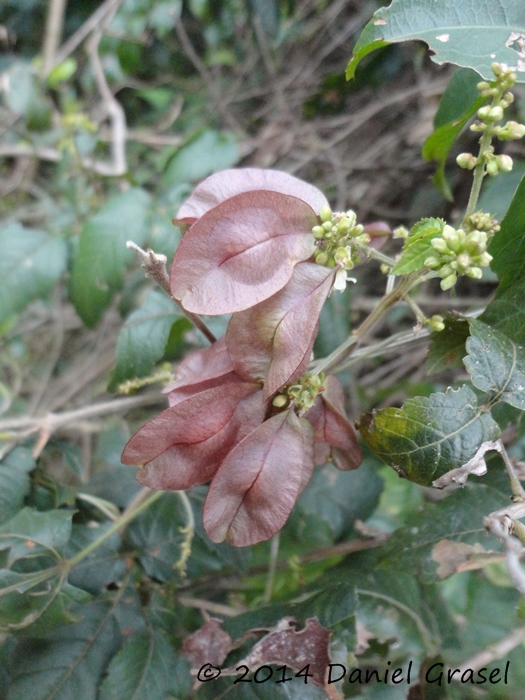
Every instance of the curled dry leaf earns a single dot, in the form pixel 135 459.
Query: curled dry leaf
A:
pixel 221 186
pixel 241 252
pixel 454 557
pixel 476 465
pixel 334 435
pixel 284 645
pixel 208 645
pixel 273 340
pixel 184 465
pixel 190 421
pixel 255 488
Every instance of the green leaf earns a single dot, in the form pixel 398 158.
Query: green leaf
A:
pixel 30 264
pixel 417 248
pixel 466 33
pixel 14 481
pixel 506 311
pixel 30 528
pixel 142 340
pixel 69 663
pixel 429 437
pixel 143 669
pixel 447 348
pixel 208 153
pixel 459 103
pixel 496 364
pixel 102 566
pixel 335 500
pixel 457 518
pixel 102 256
pixel 508 245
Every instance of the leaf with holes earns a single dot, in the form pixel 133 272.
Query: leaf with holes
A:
pixel 255 489
pixel 428 437
pixel 221 186
pixel 241 252
pixel 273 340
pixel 466 33
pixel 496 364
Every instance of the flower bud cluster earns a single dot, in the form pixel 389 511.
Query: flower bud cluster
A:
pixel 436 323
pixel 488 115
pixel 479 221
pixel 458 253
pixel 336 237
pixel 302 393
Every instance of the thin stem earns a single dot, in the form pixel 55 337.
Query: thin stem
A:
pixel 376 255
pixel 515 484
pixel 53 33
pixel 126 517
pixel 188 531
pixel 479 172
pixel 342 352
pixel 274 553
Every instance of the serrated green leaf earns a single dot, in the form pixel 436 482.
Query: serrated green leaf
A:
pixel 102 566
pixel 69 663
pixel 458 518
pixel 143 669
pixel 30 529
pixel 142 340
pixel 496 364
pixel 429 437
pixel 208 153
pixel 14 481
pixel 459 103
pixel 468 33
pixel 102 256
pixel 417 248
pixel 506 311
pixel 447 348
pixel 508 245
pixel 30 264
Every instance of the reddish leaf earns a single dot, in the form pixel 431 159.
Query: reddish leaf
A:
pixel 273 340
pixel 221 186
pixel 208 645
pixel 256 487
pixel 192 420
pixel 241 252
pixel 202 365
pixel 286 646
pixel 182 466
pixel 331 427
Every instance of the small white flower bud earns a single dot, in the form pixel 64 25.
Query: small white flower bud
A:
pixel 466 160
pixel 451 236
pixel 504 163
pixel 448 282
pixel 327 226
pixel 340 280
pixel 483 112
pixel 475 272
pixel 432 263
pixel 440 245
pixel 464 261
pixel 484 259
pixel 495 114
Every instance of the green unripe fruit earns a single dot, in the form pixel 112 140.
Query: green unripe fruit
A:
pixel 448 282
pixel 318 232
pixel 325 213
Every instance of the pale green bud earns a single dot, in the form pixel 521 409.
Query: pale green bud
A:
pixel 512 131
pixel 331 262
pixel 321 258
pixel 400 232
pixel 363 238
pixel 484 259
pixel 436 323
pixel 504 163
pixel 318 232
pixel 466 160
pixel 432 263
pixel 475 272
pixel 352 217
pixel 507 100
pixel 341 255
pixel 483 85
pixel 325 213
pixel 477 127
pixel 463 261
pixel 446 271
pixel 496 68
pixel 344 225
pixel 327 226
pixel 492 167
pixel 483 112
pixel 454 265
pixel 473 241
pixel 280 401
pixel 448 282
pixel 440 245
pixel 495 114
pixel 451 237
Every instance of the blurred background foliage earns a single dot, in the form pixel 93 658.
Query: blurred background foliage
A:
pixel 107 122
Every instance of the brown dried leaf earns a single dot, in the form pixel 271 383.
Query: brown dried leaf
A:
pixel 454 557
pixel 476 465
pixel 208 645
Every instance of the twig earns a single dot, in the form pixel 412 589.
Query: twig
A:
pixel 208 605
pixel 155 266
pixel 53 34
pixel 515 483
pixel 501 525
pixel 494 651
pixel 96 19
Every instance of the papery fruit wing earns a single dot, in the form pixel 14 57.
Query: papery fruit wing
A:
pixel 192 420
pixel 202 365
pixel 255 489
pixel 228 183
pixel 273 340
pixel 182 466
pixel 241 252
